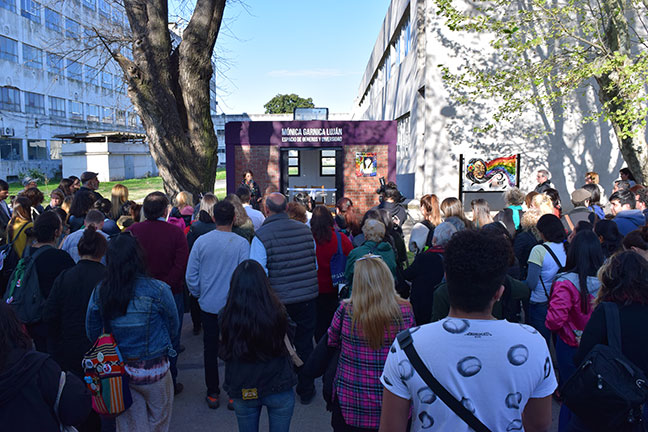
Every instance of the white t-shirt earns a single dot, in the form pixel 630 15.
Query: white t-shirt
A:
pixel 492 367
pixel 255 216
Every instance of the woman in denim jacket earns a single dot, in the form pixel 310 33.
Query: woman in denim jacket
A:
pixel 142 316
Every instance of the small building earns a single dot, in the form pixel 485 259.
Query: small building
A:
pixel 327 159
pixel 114 155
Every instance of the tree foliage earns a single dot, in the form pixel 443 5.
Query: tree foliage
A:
pixel 286 103
pixel 549 49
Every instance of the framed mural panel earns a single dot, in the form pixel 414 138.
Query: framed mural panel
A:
pixel 489 175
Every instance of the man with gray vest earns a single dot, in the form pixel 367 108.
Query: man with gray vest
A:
pixel 286 250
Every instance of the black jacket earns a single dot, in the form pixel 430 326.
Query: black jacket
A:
pixel 425 273
pixel 65 313
pixel 197 229
pixel 394 209
pixel 28 388
pixel 543 187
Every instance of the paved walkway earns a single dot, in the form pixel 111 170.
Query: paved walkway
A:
pixel 190 412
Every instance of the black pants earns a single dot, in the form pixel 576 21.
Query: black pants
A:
pixel 194 309
pixel 327 304
pixel 210 352
pixel 304 314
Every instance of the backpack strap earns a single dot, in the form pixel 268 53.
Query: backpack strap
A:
pixel 569 222
pixel 406 343
pixel 339 240
pixel 613 324
pixel 555 258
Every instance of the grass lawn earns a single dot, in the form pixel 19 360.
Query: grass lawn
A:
pixel 137 188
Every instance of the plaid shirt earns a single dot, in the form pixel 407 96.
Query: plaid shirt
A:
pixel 357 382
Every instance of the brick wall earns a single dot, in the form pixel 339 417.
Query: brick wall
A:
pixel 362 190
pixel 263 161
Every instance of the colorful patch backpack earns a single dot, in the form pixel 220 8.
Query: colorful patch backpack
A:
pixel 106 377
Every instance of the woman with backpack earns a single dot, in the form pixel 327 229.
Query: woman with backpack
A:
pixel 21 220
pixel 422 232
pixel 545 260
pixel 142 316
pixel 258 367
pixel 327 246
pixel 363 328
pixel 30 384
pixel 624 281
pixel 570 305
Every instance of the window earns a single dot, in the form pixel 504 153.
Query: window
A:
pixel 92 112
pixel 104 8
pixel 11 149
pixel 403 131
pixel 30 10
pixel 72 29
pixel 120 117
pixel 8 49
pixel 9 99
pixel 55 63
pixel 293 163
pixel 91 75
pixel 106 115
pixel 74 70
pixel 118 17
pixel 55 149
pixel 89 4
pixel 32 57
pixel 327 163
pixel 76 110
pixel 34 103
pixel 9 5
pixel 52 20
pixel 56 106
pixel 106 80
pixel 36 149
pixel 133 120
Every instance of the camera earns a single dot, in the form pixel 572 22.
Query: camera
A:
pixel 389 190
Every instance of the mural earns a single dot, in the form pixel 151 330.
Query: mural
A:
pixel 490 175
pixel 366 164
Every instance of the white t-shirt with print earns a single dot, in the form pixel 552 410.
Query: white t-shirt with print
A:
pixel 492 367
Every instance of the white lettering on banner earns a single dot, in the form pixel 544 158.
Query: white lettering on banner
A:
pixel 311 135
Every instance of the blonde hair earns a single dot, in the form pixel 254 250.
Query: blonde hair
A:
pixel 67 203
pixel 481 213
pixel 119 196
pixel 592 176
pixel 452 207
pixel 530 218
pixel 543 203
pixel 183 199
pixel 240 215
pixel 209 200
pixel 430 207
pixel 376 305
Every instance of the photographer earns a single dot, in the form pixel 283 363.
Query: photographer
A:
pixel 390 200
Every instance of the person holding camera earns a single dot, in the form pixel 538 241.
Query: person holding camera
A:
pixel 390 200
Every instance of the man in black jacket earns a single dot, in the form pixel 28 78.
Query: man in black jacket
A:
pixel 543 181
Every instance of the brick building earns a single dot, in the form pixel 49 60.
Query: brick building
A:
pixel 328 159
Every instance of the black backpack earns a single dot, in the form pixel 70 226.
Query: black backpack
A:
pixel 607 390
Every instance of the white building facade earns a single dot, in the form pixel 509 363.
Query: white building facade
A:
pixel 50 84
pixel 403 82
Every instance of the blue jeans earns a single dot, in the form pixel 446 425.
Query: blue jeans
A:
pixel 565 363
pixel 280 410
pixel 536 319
pixel 173 361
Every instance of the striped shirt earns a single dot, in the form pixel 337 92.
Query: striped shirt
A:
pixel 357 385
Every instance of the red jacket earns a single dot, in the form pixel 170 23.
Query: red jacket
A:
pixel 165 251
pixel 324 252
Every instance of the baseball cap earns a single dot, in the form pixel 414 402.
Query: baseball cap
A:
pixel 88 175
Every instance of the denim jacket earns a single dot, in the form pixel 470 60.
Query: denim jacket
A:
pixel 150 324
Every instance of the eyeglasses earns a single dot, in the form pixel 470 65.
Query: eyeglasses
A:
pixel 369 256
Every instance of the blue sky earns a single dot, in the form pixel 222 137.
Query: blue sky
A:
pixel 316 49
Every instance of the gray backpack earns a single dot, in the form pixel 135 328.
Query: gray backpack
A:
pixel 23 291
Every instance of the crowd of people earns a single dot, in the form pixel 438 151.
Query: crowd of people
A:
pixel 287 292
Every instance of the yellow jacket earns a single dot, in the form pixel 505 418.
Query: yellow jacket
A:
pixel 21 242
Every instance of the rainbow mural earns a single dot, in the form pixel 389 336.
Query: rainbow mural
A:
pixel 495 174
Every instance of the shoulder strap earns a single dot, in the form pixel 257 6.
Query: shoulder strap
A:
pixel 553 255
pixel 405 342
pixel 22 228
pixel 569 222
pixel 58 395
pixel 339 239
pixel 613 325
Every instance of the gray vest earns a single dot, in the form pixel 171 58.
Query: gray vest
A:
pixel 291 258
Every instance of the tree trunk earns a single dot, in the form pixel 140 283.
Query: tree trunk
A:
pixel 170 90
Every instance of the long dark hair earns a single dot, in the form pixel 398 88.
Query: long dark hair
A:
pixel 321 224
pixel 124 263
pixel 624 279
pixel 585 258
pixel 253 321
pixel 82 203
pixel 611 237
pixel 12 333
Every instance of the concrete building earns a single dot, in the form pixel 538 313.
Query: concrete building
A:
pixel 50 86
pixel 403 82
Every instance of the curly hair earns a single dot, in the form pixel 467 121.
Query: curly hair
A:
pixel 475 266
pixel 624 279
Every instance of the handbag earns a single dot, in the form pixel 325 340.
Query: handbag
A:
pixel 607 390
pixel 63 428
pixel 406 343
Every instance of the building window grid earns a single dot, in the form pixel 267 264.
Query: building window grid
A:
pixel 74 70
pixel 106 80
pixel 55 63
pixel 10 5
pixel 92 112
pixel 9 99
pixel 89 4
pixel 76 110
pixel 327 163
pixel 120 117
pixel 91 75
pixel 56 106
pixel 106 115
pixel 32 57
pixel 294 163
pixel 72 29
pixel 404 137
pixel 53 20
pixel 56 146
pixel 104 8
pixel 34 103
pixel 8 49
pixel 30 10
pixel 37 150
pixel 11 149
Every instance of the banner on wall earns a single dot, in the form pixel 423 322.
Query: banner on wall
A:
pixel 366 164
pixel 489 175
